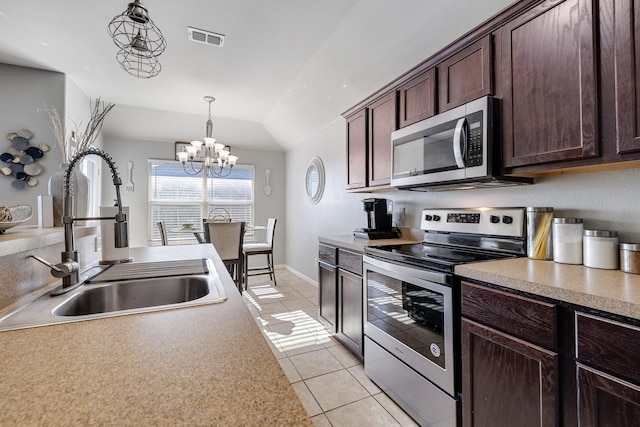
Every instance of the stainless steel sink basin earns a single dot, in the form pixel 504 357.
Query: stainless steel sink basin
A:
pixel 95 301
pixel 134 294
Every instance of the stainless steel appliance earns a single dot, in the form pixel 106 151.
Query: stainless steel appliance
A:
pixel 412 336
pixel 452 150
pixel 379 220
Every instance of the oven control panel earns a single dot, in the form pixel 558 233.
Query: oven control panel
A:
pixel 488 221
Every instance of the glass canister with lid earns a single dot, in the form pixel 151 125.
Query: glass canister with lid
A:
pixel 567 240
pixel 600 249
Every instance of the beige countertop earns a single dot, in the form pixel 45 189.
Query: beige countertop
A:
pixel 205 365
pixel 357 244
pixel 612 291
pixel 27 237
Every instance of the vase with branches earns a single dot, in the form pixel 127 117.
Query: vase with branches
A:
pixel 77 141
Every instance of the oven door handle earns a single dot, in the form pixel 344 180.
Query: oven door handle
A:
pixel 460 142
pixel 422 273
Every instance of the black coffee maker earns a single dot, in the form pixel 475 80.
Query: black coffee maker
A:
pixel 379 215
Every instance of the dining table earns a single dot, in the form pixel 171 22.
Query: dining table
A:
pixel 198 232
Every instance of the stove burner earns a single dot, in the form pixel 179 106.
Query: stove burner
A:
pixel 432 256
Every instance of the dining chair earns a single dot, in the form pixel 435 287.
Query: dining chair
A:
pixel 265 248
pixel 163 233
pixel 227 238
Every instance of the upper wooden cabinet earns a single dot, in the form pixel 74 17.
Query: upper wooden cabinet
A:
pixel 382 121
pixel 417 98
pixel 466 75
pixel 550 110
pixel 626 40
pixel 357 150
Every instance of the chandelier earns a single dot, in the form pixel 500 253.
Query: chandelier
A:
pixel 217 160
pixel 139 40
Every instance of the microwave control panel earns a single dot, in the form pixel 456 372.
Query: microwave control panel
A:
pixel 474 144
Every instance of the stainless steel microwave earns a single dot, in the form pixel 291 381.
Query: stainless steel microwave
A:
pixel 452 150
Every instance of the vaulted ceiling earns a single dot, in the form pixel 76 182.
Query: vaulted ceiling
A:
pixel 287 67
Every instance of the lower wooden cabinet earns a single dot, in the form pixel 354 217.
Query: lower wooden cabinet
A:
pixel 608 372
pixel 328 297
pixel 605 400
pixel 350 314
pixel 510 364
pixel 340 296
pixel 530 361
pixel 506 381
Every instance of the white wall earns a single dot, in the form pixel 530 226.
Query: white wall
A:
pixel 122 150
pixel 606 200
pixel 25 91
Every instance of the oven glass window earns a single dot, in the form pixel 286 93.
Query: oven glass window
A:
pixel 411 314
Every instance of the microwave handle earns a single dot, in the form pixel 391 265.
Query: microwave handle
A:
pixel 460 141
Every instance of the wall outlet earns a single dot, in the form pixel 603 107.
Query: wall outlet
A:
pixel 401 214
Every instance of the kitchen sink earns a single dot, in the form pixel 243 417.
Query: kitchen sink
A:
pixel 134 294
pixel 108 299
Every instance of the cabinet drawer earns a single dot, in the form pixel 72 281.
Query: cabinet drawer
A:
pixel 350 261
pixel 529 319
pixel 327 254
pixel 608 345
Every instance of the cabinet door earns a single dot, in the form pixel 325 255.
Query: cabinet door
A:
pixel 357 150
pixel 418 98
pixel 382 121
pixel 506 381
pixel 549 97
pixel 350 328
pixel 466 75
pixel 327 295
pixel 627 67
pixel 606 401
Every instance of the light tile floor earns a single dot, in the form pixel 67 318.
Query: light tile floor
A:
pixel 329 380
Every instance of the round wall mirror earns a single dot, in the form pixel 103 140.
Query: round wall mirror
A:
pixel 314 181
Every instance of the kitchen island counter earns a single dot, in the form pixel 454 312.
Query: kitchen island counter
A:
pixel 204 365
pixel 611 291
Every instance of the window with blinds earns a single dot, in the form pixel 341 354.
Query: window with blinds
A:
pixel 178 198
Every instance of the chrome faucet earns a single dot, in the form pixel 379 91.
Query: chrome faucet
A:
pixel 69 268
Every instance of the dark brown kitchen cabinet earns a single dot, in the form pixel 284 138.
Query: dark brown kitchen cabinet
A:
pixel 509 378
pixel 465 76
pixel 340 303
pixel 626 39
pixel 350 315
pixel 369 144
pixel 328 294
pixel 382 121
pixel 328 286
pixel 350 301
pixel 550 110
pixel 417 98
pixel 357 150
pixel 608 372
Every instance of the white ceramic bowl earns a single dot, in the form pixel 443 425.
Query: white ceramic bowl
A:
pixel 19 214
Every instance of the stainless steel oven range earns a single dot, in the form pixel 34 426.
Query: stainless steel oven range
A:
pixel 412 336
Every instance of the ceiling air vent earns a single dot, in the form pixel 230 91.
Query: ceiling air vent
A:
pixel 206 37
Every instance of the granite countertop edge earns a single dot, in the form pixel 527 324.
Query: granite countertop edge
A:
pixel 611 291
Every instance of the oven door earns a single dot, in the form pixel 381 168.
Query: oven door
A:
pixel 409 313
